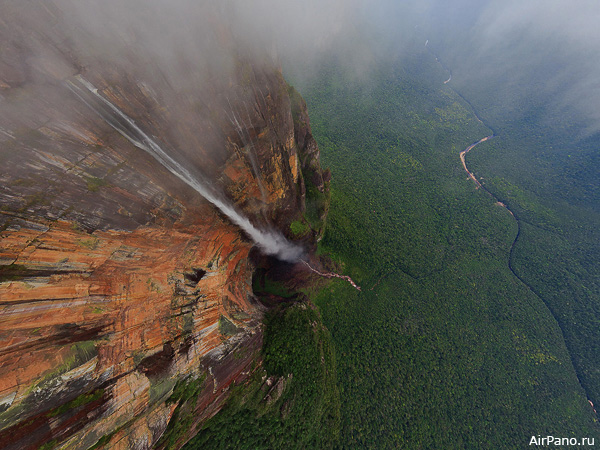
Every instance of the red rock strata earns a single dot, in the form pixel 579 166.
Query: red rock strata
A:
pixel 117 280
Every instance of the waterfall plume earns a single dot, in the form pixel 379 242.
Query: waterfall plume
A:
pixel 270 241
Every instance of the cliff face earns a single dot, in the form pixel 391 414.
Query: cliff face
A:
pixel 120 286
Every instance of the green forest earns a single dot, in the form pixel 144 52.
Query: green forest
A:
pixel 476 326
pixel 445 347
pixel 292 401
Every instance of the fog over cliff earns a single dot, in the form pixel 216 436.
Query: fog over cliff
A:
pixel 548 49
pixel 556 42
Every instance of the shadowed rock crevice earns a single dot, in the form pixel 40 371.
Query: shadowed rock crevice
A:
pixel 194 276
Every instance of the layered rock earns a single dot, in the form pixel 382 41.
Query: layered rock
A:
pixel 119 284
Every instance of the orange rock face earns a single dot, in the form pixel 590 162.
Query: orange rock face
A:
pixel 89 311
pixel 119 282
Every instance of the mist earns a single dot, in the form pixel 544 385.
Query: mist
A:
pixel 543 50
pixel 546 50
pixel 510 40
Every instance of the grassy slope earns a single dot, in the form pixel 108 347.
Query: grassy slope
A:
pixel 444 348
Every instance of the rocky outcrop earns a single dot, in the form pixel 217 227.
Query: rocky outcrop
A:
pixel 124 293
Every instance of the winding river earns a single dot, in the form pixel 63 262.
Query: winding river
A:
pixel 462 159
pixel 515 216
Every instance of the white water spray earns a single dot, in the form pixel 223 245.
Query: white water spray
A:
pixel 270 241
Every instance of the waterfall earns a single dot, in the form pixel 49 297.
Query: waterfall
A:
pixel 250 151
pixel 270 241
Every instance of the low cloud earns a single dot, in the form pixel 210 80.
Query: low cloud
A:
pixel 514 41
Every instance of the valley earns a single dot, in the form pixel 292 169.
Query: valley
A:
pixel 445 346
